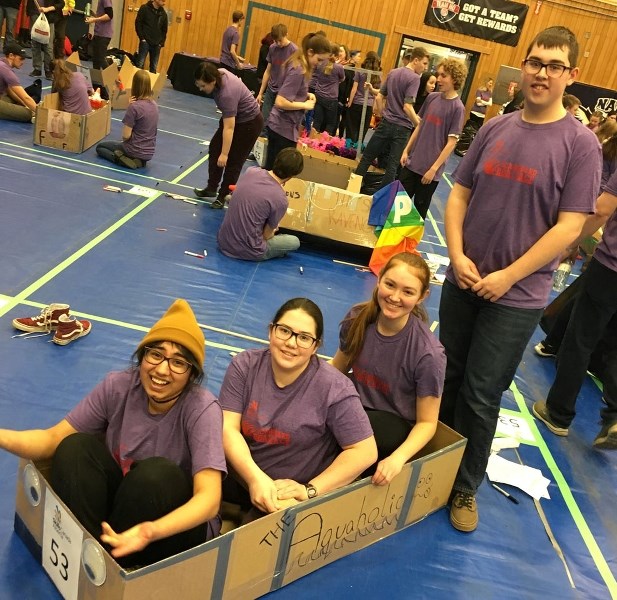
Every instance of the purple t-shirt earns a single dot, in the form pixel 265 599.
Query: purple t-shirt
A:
pixel 400 88
pixel 190 434
pixel 231 36
pixel 8 78
pixel 143 117
pixel 441 118
pixel 277 57
pixel 392 371
pixel 360 79
pixel 104 29
pixel 75 98
pixel 234 99
pixel 608 168
pixel 606 252
pixel 485 95
pixel 258 200
pixel 295 89
pixel 296 431
pixel 327 84
pixel 520 176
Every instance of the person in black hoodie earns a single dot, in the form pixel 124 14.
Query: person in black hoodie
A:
pixel 151 28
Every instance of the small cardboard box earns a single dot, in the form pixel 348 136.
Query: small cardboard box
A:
pixel 55 128
pixel 259 150
pixel 325 168
pixel 122 92
pixel 330 212
pixel 249 561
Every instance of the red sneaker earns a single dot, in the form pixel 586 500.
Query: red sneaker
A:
pixel 70 329
pixel 46 321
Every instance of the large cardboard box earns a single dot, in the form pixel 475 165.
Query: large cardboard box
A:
pixel 55 128
pixel 117 82
pixel 330 212
pixel 249 561
pixel 327 169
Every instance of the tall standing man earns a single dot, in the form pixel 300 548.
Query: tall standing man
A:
pixel 399 91
pixel 151 27
pixel 230 59
pixel 521 195
pixel 8 15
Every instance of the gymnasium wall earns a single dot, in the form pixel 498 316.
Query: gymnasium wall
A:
pixel 371 25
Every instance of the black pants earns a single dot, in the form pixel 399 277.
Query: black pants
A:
pixel 90 482
pixel 98 49
pixel 276 143
pixel 390 432
pixel 59 35
pixel 245 136
pixel 326 114
pixel 420 193
pixel 352 122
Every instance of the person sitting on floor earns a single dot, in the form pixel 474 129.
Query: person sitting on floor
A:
pixel 15 102
pixel 140 126
pixel 294 427
pixel 139 460
pixel 259 203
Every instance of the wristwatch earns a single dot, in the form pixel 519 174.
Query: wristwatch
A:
pixel 311 490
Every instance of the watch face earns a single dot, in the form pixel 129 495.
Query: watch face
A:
pixel 311 492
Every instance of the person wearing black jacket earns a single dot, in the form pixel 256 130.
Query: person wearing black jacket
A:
pixel 151 28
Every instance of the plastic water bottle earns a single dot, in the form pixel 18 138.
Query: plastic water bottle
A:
pixel 561 275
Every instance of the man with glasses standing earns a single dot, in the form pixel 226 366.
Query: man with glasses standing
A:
pixel 521 195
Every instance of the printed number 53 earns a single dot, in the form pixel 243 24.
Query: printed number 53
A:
pixel 61 562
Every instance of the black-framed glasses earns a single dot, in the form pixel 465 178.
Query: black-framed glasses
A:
pixel 533 67
pixel 303 340
pixel 154 356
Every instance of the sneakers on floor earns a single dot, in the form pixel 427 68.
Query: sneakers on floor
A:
pixel 220 202
pixel 540 411
pixel 45 322
pixel 464 512
pixel 35 73
pixel 543 349
pixel 127 161
pixel 607 438
pixel 69 329
pixel 205 193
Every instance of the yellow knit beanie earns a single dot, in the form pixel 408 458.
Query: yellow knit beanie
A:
pixel 180 326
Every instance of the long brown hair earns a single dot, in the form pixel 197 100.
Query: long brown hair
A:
pixel 141 88
pixel 312 41
pixel 62 75
pixel 368 312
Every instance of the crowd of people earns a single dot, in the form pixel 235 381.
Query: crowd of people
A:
pixel 289 426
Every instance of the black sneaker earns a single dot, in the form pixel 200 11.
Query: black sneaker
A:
pixel 35 73
pixel 540 411
pixel 607 438
pixel 218 203
pixel 543 349
pixel 127 161
pixel 205 193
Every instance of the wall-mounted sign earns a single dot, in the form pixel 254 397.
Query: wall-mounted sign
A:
pixel 500 21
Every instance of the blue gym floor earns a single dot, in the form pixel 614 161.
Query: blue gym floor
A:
pixel 118 260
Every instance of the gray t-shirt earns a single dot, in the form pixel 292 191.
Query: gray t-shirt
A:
pixel 258 200
pixel 391 371
pixel 441 118
pixel 297 431
pixel 521 175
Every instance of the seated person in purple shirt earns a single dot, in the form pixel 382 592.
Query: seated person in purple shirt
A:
pixel 259 203
pixel 16 104
pixel 294 427
pixel 433 140
pixel 73 88
pixel 139 460
pixel 140 126
pixel 398 365
pixel 238 130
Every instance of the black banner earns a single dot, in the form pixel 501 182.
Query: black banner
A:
pixel 500 21
pixel 594 98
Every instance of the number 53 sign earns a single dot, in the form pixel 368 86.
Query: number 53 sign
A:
pixel 62 539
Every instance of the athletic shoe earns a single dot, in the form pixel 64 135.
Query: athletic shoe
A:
pixel 70 329
pixel 464 512
pixel 543 349
pixel 540 410
pixel 45 322
pixel 205 193
pixel 127 161
pixel 35 73
pixel 607 438
pixel 220 202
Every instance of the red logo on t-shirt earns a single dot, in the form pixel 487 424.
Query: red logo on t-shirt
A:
pixel 434 119
pixel 270 436
pixel 371 380
pixel 508 170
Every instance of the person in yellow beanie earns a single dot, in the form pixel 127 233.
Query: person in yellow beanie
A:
pixel 152 488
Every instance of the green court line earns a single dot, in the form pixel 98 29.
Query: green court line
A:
pixel 578 518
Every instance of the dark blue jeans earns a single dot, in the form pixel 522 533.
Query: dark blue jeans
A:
pixel 154 50
pixel 388 138
pixel 326 113
pixel 484 344
pixel 594 308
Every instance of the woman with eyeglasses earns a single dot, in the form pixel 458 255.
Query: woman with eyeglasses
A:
pixel 139 461
pixel 294 427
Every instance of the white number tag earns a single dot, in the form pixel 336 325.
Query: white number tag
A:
pixel 62 538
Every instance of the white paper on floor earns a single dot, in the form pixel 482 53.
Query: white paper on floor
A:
pixel 526 478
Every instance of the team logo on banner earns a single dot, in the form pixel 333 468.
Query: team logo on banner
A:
pixel 445 10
